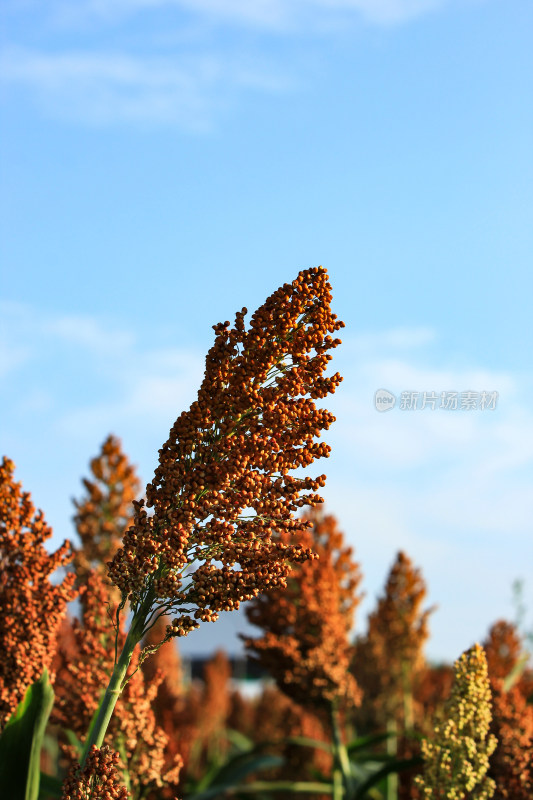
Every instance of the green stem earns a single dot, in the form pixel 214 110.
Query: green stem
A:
pixel 392 750
pixel 117 681
pixel 337 787
pixel 342 780
pixel 112 693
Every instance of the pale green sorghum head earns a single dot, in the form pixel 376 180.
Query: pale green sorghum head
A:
pixel 456 760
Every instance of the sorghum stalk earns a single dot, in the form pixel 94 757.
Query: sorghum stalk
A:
pixel 392 751
pixel 223 491
pixel 390 655
pixel 341 762
pixel 113 691
pixel 81 682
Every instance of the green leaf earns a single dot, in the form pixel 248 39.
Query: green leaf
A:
pixel 363 758
pixel 395 765
pixel 233 771
pixel 291 787
pixel 516 672
pixel 305 741
pixel 367 741
pixel 21 742
pixel 239 740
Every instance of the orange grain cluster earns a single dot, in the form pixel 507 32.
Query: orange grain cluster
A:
pixel 32 607
pixel 279 720
pixel 99 779
pixel 133 730
pixel 106 511
pixel 224 485
pixel 511 764
pixel 305 646
pixel 503 648
pixel 507 657
pixel 390 655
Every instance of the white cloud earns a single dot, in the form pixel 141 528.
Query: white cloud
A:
pixel 384 12
pixel 142 386
pixel 11 357
pixel 13 353
pixel 103 88
pixel 281 15
pixel 190 87
pixel 393 339
pixel 450 488
pixel 149 401
pixel 87 332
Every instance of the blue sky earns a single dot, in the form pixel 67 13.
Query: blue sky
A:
pixel 166 162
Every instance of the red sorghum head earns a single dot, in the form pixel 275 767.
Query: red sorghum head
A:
pixel 99 779
pixel 105 512
pixel 305 646
pixel 390 655
pixel 224 484
pixel 32 606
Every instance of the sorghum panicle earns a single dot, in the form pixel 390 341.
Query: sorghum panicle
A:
pixel 503 648
pixel 456 759
pixel 99 779
pixel 511 764
pixel 390 655
pixel 106 511
pixel 276 714
pixel 507 657
pixel 32 607
pixel 305 646
pixel 224 483
pixel 216 694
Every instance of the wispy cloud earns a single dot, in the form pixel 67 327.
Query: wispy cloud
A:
pixel 103 88
pixel 129 383
pixel 272 15
pixel 451 488
pixel 86 332
pixel 188 88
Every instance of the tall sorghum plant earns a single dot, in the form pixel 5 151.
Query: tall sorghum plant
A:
pixel 305 644
pixel 105 511
pixel 511 764
pixel 389 656
pixel 32 606
pixel 224 487
pixel 456 758
pixel 387 663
